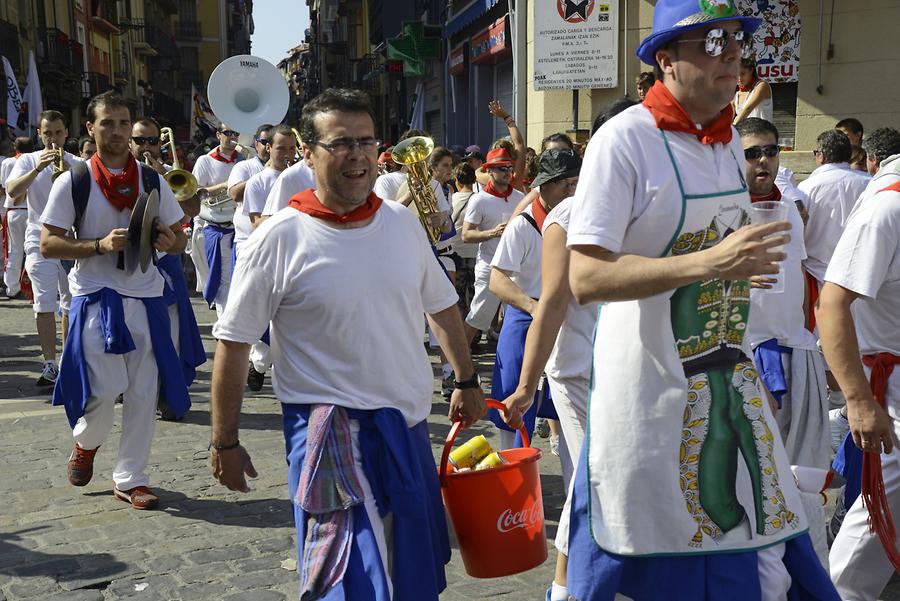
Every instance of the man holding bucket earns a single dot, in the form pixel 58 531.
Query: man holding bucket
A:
pixel 683 488
pixel 344 280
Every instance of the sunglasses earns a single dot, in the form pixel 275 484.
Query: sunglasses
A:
pixel 141 140
pixel 230 133
pixel 263 141
pixel 503 168
pixel 755 152
pixel 716 41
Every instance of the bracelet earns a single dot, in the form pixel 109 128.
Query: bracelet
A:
pixel 97 247
pixel 509 120
pixel 473 382
pixel 223 447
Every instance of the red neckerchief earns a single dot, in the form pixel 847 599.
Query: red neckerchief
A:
pixel 775 194
pixel 873 492
pixel 18 154
pixel 895 187
pixel 120 189
pixel 307 202
pixel 671 116
pixel 539 212
pixel 748 88
pixel 215 154
pixel 491 189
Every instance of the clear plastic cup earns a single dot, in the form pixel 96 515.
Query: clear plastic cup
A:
pixel 770 211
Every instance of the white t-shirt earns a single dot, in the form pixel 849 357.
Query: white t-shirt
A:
pixel 832 190
pixel 100 217
pixel 867 261
pixel 37 194
pixel 293 180
pixel 519 252
pixel 345 307
pixel 487 212
pixel 460 202
pixel 780 314
pixel 388 185
pixel 255 193
pixel 210 171
pixel 571 356
pixel 242 172
pixel 5 169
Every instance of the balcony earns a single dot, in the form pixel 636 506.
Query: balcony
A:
pixel 97 83
pixel 188 30
pixel 168 109
pixel 150 39
pixel 104 15
pixel 59 54
pixel 9 43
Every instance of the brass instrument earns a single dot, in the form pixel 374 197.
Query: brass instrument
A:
pixel 299 141
pixel 60 166
pixel 182 182
pixel 413 153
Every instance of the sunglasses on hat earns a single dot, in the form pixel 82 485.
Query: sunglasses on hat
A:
pixel 716 41
pixel 755 152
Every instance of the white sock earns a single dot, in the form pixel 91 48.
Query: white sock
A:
pixel 558 593
pixel 446 370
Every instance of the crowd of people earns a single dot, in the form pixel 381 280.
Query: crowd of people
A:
pixel 705 371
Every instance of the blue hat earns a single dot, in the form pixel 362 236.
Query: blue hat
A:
pixel 672 18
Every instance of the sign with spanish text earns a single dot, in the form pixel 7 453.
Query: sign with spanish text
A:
pixel 776 43
pixel 576 44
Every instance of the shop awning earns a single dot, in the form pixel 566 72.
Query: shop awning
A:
pixel 467 15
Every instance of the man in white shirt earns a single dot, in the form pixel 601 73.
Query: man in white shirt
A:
pixel 238 179
pixel 212 245
pixel 882 145
pixel 16 222
pixel 146 145
pixel 32 177
pixel 281 148
pixel 486 217
pixel 859 326
pixel 120 341
pixel 293 180
pixel 349 363
pixel 832 189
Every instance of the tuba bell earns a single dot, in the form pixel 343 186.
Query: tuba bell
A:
pixel 413 153
pixel 182 182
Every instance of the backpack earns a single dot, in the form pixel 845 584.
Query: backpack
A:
pixel 81 187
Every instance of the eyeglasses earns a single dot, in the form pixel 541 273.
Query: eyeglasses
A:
pixel 716 41
pixel 230 133
pixel 141 140
pixel 342 146
pixel 755 152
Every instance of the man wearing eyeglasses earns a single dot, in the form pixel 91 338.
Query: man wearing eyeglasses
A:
pixel 212 243
pixel 344 278
pixel 683 489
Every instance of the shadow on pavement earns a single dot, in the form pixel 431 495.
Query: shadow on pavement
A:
pixel 251 421
pixel 80 570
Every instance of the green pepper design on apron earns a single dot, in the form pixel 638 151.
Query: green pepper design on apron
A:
pixel 723 416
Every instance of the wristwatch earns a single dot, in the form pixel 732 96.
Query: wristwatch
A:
pixel 473 382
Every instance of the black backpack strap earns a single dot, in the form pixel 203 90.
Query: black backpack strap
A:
pixel 533 223
pixel 81 191
pixel 150 179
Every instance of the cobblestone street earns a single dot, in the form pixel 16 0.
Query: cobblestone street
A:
pixel 61 543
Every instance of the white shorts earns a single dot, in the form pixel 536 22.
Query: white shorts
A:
pixel 485 303
pixel 48 282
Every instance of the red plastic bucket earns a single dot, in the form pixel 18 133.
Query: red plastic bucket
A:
pixel 498 513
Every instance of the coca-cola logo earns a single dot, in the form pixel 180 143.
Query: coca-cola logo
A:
pixel 528 517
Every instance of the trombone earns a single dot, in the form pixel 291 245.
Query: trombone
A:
pixel 298 156
pixel 182 182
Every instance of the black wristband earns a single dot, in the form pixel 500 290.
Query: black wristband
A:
pixel 223 447
pixel 473 382
pixel 97 247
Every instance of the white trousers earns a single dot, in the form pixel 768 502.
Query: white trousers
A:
pixel 570 400
pixel 198 255
pixel 485 303
pixel 133 375
pixel 16 220
pixel 49 283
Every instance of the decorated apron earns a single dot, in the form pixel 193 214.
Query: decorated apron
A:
pixel 683 455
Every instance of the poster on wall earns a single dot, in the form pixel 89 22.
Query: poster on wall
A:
pixel 576 44
pixel 777 41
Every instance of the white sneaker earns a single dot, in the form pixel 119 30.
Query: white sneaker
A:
pixel 554 444
pixel 48 374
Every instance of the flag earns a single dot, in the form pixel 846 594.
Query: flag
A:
pixel 203 121
pixel 417 120
pixel 13 101
pixel 33 104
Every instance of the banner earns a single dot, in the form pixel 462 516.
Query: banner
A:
pixel 576 44
pixel 33 102
pixel 14 118
pixel 203 122
pixel 777 41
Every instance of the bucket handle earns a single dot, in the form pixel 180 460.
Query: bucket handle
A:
pixel 457 426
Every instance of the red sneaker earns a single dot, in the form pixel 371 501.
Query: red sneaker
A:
pixel 81 465
pixel 140 497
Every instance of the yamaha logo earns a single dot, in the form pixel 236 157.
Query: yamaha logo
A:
pixel 527 518
pixel 251 64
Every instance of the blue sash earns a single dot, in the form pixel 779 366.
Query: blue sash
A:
pixel 771 369
pixel 212 236
pixel 73 386
pixel 398 463
pixel 190 344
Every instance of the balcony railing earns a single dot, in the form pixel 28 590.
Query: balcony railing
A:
pixel 59 52
pixel 97 83
pixel 154 37
pixel 189 30
pixel 104 15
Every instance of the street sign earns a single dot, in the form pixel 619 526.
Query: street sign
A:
pixel 414 48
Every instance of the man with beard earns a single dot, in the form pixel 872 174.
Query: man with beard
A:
pixel 682 491
pixel 344 279
pixel 120 342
